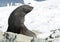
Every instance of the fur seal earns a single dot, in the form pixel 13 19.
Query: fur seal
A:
pixel 16 21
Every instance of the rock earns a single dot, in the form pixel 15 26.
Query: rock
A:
pixel 12 37
pixel 35 40
pixel 9 37
pixel 55 34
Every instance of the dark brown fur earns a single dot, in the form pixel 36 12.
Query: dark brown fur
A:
pixel 16 21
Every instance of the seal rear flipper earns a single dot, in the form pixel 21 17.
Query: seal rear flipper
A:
pixel 27 32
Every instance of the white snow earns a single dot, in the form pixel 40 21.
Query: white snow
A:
pixel 44 17
pixel 4 15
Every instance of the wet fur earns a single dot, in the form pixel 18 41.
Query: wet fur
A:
pixel 16 21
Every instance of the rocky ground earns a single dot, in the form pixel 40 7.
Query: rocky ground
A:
pixel 12 37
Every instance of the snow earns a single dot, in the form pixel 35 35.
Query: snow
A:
pixel 43 18
pixel 4 15
pixel 44 35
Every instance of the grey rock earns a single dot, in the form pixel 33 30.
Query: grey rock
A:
pixel 9 37
pixel 35 40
